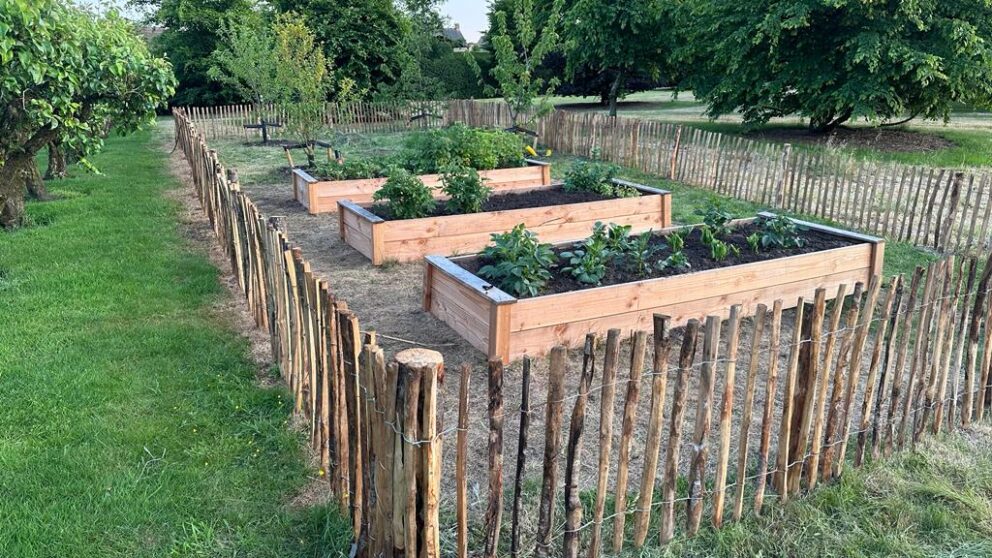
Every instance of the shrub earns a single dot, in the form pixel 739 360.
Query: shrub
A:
pixel 458 144
pixel 587 262
pixel 782 232
pixel 408 197
pixel 586 176
pixel 716 219
pixel 519 264
pixel 466 189
pixel 351 168
pixel 640 253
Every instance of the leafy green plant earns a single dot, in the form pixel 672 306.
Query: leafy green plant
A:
pixel 754 242
pixel 587 176
pixel 640 253
pixel 434 150
pixel 719 250
pixel 518 263
pixel 587 262
pixel 676 243
pixel 716 219
pixel 408 197
pixel 352 168
pixel 782 232
pixel 466 189
pixel 623 191
pixel 617 236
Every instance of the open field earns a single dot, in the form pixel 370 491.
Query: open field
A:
pixel 136 418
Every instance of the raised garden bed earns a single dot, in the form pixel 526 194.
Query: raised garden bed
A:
pixel 322 196
pixel 508 327
pixel 573 216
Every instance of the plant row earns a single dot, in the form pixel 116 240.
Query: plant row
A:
pixel 433 151
pixel 519 264
pixel 407 197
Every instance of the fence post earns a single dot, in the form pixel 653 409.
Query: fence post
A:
pixel 675 152
pixel 783 180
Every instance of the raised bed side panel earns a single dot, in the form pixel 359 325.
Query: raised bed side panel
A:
pixel 361 230
pixel 326 194
pixel 411 240
pixel 460 300
pixel 302 182
pixel 537 324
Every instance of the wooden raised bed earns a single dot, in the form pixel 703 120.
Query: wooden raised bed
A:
pixel 322 196
pixel 503 326
pixel 411 239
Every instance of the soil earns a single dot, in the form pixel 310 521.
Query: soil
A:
pixel 881 139
pixel 503 202
pixel 697 253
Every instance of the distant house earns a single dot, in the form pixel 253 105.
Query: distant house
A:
pixel 149 32
pixel 454 35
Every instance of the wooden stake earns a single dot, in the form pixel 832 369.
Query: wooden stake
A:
pixel 769 407
pixel 670 478
pixel 518 477
pixel 813 464
pixel 573 506
pixel 637 351
pixel 726 413
pixel 835 414
pixel 704 417
pixel 610 365
pixel 782 464
pixel 749 389
pixel 552 448
pixel 461 464
pixel 494 512
pixel 652 446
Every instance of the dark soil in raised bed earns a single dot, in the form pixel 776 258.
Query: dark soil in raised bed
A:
pixel 697 253
pixel 503 202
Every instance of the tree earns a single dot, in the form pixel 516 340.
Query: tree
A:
pixel 64 74
pixel 363 39
pixel 620 38
pixel 518 56
pixel 420 46
pixel 190 34
pixel 308 81
pixel 245 59
pixel 835 60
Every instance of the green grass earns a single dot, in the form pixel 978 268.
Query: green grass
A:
pixel 936 501
pixel 133 421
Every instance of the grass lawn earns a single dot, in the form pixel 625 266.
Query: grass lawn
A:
pixel 133 419
pixel 936 501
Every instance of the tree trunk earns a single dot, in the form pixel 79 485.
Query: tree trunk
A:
pixel 57 162
pixel 829 123
pixel 311 150
pixel 33 183
pixel 12 187
pixel 615 92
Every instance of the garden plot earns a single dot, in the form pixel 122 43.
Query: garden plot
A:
pixel 550 211
pixel 388 298
pixel 583 297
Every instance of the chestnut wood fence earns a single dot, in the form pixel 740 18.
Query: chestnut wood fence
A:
pixel 229 121
pixel 665 434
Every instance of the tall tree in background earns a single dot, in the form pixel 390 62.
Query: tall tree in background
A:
pixel 64 75
pixel 421 41
pixel 307 79
pixel 519 54
pixel 191 31
pixel 620 39
pixel 363 39
pixel 832 61
pixel 246 59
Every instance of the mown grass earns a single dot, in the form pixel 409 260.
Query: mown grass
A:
pixel 134 423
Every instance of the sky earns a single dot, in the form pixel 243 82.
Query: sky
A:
pixel 470 14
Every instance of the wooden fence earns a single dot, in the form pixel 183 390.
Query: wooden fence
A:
pixel 940 208
pixel 229 121
pixel 754 409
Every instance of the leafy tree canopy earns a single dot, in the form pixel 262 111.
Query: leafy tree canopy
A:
pixel 835 60
pixel 191 32
pixel 519 54
pixel 622 38
pixel 65 76
pixel 246 59
pixel 364 39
